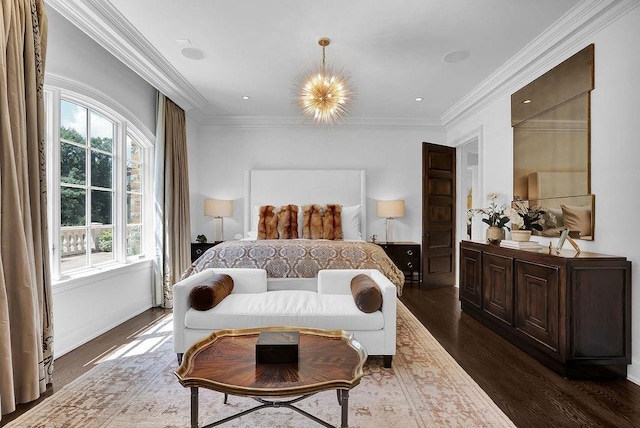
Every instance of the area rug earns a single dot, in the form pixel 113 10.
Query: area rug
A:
pixel 135 387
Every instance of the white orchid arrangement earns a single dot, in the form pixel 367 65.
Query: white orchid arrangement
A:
pixel 525 217
pixel 495 214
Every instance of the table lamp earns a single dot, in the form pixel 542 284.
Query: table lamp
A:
pixel 390 210
pixel 218 208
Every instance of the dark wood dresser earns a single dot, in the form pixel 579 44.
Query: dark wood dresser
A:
pixel 570 311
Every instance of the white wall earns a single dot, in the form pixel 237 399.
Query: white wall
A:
pixel 392 157
pixel 84 308
pixel 75 57
pixel 615 150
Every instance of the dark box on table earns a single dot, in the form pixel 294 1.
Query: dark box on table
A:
pixel 277 347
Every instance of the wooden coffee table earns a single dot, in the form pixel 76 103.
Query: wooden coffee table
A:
pixel 225 362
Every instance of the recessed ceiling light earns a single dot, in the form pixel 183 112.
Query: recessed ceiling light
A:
pixel 527 101
pixel 419 98
pixel 246 97
pixel 455 56
pixel 193 53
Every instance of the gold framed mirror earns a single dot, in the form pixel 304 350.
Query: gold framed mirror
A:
pixel 551 144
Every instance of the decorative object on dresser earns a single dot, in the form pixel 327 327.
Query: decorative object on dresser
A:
pixel 521 245
pixel 218 208
pixel 520 235
pixel 570 311
pixel 198 248
pixel 405 255
pixel 494 215
pixel 390 210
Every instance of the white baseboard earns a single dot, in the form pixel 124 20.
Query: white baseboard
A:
pixel 633 371
pixel 64 343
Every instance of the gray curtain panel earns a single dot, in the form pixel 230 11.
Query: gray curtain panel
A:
pixel 26 330
pixel 172 224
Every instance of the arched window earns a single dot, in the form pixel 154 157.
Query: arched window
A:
pixel 98 169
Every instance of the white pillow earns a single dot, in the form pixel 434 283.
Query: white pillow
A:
pixel 351 222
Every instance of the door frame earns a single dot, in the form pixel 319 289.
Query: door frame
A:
pixel 461 202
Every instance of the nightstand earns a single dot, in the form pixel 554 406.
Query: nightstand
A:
pixel 405 255
pixel 198 249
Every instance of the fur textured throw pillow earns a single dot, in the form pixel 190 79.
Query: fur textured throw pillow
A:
pixel 267 222
pixel 322 221
pixel 288 222
pixel 336 210
pixel 316 225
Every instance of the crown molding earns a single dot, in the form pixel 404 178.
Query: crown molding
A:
pixel 105 24
pixel 560 40
pixel 228 121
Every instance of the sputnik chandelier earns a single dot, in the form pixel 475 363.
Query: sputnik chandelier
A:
pixel 322 94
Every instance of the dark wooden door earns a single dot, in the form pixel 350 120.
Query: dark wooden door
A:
pixel 438 215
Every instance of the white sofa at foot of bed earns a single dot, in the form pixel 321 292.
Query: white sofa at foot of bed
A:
pixel 325 302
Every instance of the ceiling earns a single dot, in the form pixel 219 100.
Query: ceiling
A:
pixel 393 49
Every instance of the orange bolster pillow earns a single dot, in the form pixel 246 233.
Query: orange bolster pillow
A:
pixel 366 293
pixel 206 296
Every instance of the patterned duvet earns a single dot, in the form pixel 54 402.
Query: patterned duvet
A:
pixel 298 258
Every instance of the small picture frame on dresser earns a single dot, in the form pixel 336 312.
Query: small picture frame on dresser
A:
pixel 563 237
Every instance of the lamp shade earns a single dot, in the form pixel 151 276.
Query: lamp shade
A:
pixel 390 209
pixel 218 208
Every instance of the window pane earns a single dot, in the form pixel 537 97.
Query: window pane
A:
pixel 72 164
pixel 101 203
pixel 73 122
pixel 134 177
pixel 73 248
pixel 101 170
pixel 101 133
pixel 134 151
pixel 134 240
pixel 134 208
pixel 101 244
pixel 72 206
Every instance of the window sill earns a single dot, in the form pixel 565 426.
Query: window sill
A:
pixel 79 279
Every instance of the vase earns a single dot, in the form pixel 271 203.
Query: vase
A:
pixel 495 234
pixel 520 235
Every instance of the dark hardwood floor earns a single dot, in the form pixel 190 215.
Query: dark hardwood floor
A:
pixel 79 361
pixel 529 393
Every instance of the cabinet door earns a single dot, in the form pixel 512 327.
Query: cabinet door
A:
pixel 471 277
pixel 497 287
pixel 537 304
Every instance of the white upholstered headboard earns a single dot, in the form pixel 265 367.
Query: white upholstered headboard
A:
pixel 281 187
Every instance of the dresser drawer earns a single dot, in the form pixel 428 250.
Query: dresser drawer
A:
pixel 198 249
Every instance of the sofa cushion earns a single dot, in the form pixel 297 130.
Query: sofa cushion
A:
pixel 366 293
pixel 207 295
pixel 294 308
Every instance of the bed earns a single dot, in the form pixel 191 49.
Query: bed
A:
pixel 303 258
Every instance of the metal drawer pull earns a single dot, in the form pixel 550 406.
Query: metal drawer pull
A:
pixel 199 251
pixel 409 264
pixel 409 252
